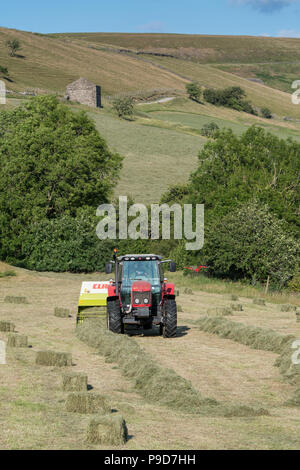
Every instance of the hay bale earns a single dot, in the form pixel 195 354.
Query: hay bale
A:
pixel 295 399
pixel 288 308
pixel 74 382
pixel 224 312
pixel 7 326
pixel 53 358
pixel 234 297
pixel 219 312
pixel 108 430
pixel 17 341
pixel 236 307
pixel 15 300
pixel 85 402
pixel 188 291
pixel 61 312
pixel 298 317
pixel 179 308
pixel 259 301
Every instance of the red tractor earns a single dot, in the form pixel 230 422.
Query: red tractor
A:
pixel 140 295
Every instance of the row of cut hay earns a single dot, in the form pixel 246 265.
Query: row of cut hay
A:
pixel 252 336
pixel 258 338
pixel 289 370
pixel 155 383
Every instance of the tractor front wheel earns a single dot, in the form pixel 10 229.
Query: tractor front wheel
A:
pixel 169 327
pixel 114 317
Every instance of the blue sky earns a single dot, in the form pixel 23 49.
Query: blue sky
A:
pixel 251 17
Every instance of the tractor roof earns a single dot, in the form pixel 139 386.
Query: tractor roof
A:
pixel 140 257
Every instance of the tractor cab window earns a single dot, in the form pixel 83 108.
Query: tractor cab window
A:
pixel 140 271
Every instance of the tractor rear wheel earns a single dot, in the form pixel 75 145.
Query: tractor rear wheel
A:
pixel 114 317
pixel 170 321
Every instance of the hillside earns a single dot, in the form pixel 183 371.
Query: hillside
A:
pixel 203 48
pixel 49 64
pixel 163 138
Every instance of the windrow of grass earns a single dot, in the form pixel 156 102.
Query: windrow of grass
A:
pixel 155 383
pixel 257 338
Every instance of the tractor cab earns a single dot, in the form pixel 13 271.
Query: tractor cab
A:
pixel 139 294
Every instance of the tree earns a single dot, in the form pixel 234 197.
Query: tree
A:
pixel 194 91
pixel 14 46
pixel 231 97
pixel 53 162
pixel 209 129
pixel 233 169
pixel 124 107
pixel 251 243
pixel 66 244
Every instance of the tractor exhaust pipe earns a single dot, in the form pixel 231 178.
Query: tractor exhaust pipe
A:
pixel 116 271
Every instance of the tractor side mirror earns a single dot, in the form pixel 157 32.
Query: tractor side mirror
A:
pixel 108 268
pixel 172 267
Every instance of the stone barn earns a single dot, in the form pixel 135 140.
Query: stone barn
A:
pixel 85 92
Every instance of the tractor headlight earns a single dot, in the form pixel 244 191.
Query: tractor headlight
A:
pixel 137 301
pixel 146 301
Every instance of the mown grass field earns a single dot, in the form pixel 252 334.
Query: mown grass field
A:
pixel 48 64
pixel 32 412
pixel 275 61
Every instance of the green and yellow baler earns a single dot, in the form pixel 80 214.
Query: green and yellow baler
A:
pixel 92 300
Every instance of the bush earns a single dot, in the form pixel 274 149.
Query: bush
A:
pixel 194 91
pixel 294 284
pixel 251 243
pixel 124 106
pixel 209 130
pixel 66 244
pixel 53 163
pixel 231 97
pixel 4 71
pixel 266 113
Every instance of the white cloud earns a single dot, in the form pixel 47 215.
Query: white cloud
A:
pixel 265 6
pixel 288 33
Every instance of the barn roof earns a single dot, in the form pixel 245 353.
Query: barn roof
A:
pixel 81 83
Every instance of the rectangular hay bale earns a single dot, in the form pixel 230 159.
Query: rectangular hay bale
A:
pixel 108 430
pixel 236 307
pixel 85 402
pixel 61 312
pixel 17 341
pixel 74 382
pixel 7 326
pixel 15 299
pixel 259 301
pixel 288 308
pixel 53 358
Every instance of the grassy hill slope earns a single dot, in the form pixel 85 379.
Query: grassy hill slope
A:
pixel 203 48
pixel 50 64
